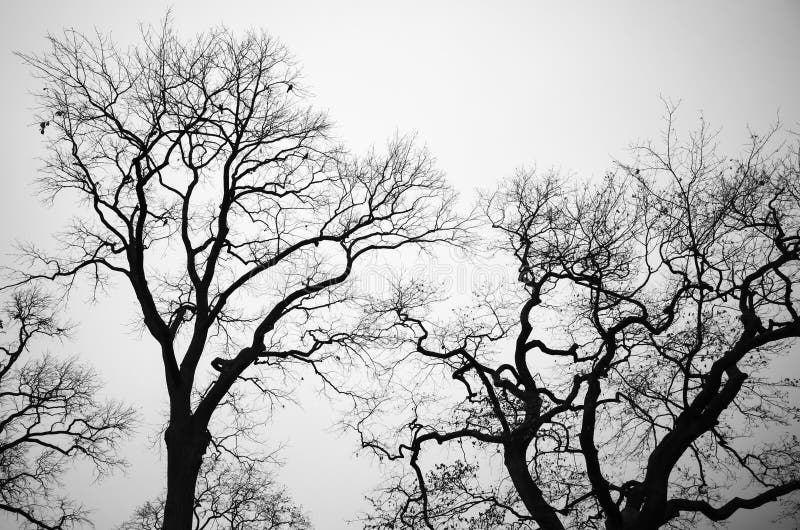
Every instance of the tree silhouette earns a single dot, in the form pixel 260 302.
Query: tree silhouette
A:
pixel 50 417
pixel 231 494
pixel 215 194
pixel 635 383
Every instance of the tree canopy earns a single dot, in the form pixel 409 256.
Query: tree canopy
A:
pixel 626 379
pixel 214 194
pixel 51 417
pixel 629 380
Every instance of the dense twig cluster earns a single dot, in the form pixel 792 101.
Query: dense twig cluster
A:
pixel 630 390
pixel 50 417
pixel 231 494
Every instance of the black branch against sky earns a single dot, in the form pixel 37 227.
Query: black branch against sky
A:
pixel 51 417
pixel 215 195
pixel 634 385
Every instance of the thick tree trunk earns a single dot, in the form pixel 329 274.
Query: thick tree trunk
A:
pixel 532 497
pixel 186 445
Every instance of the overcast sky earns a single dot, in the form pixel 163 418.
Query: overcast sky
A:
pixel 488 86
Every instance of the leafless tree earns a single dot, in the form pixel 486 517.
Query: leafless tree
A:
pixel 635 385
pixel 50 417
pixel 231 494
pixel 215 194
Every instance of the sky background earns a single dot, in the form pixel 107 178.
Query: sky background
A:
pixel 489 87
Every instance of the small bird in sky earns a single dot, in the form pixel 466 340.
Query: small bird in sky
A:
pixel 290 87
pixel 42 125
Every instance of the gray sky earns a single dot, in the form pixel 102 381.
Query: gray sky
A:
pixel 488 86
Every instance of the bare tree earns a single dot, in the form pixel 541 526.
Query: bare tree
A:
pixel 213 192
pixel 635 384
pixel 231 494
pixel 50 417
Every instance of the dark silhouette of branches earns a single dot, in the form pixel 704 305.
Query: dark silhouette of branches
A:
pixel 635 386
pixel 231 494
pixel 214 193
pixel 454 497
pixel 50 417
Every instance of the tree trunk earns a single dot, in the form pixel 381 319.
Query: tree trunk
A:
pixel 538 508
pixel 186 445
